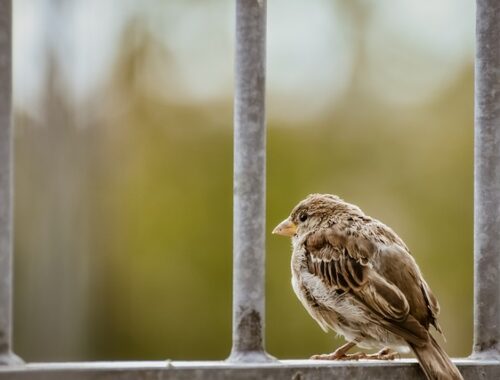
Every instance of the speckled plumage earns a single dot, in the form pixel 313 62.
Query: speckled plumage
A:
pixel 355 276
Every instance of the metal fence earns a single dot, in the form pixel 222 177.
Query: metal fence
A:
pixel 248 359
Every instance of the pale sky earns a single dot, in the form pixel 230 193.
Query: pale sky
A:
pixel 413 48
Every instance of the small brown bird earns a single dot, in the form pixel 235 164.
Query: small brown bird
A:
pixel 355 276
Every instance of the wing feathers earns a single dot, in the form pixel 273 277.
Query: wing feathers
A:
pixel 386 299
pixel 335 264
pixel 343 263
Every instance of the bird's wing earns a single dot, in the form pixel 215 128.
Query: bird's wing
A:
pixel 347 262
pixel 432 305
pixel 340 262
pixel 397 266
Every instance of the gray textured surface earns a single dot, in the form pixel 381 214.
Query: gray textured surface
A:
pixel 6 183
pixel 487 182
pixel 288 369
pixel 249 183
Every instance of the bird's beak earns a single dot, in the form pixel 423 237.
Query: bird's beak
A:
pixel 285 228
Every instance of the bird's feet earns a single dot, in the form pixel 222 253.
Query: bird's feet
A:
pixel 339 356
pixel 341 353
pixel 384 354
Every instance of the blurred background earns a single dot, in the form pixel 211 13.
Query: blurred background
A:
pixel 123 134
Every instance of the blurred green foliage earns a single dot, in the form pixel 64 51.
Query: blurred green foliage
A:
pixel 124 227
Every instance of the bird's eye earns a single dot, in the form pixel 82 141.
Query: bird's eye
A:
pixel 303 217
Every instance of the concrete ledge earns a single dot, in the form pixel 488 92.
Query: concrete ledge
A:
pixel 285 369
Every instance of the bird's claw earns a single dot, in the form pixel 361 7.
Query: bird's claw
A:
pixel 383 354
pixel 335 356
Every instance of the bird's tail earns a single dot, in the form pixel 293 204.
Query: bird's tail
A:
pixel 435 362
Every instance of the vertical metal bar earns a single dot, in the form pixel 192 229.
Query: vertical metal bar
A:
pixel 487 182
pixel 6 183
pixel 249 183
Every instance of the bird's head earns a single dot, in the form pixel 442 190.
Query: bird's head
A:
pixel 313 212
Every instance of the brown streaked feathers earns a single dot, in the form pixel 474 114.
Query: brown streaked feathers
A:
pixel 355 276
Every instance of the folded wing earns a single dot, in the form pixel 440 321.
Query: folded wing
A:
pixel 348 262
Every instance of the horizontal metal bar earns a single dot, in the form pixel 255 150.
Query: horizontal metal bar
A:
pixel 286 369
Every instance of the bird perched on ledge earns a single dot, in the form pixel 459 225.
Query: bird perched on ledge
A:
pixel 355 276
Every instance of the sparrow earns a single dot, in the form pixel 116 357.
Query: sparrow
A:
pixel 355 276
